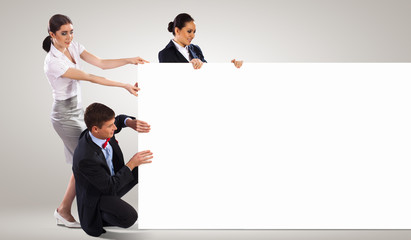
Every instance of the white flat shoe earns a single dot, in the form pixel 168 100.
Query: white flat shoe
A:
pixel 63 222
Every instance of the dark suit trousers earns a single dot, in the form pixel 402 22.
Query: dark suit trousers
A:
pixel 117 212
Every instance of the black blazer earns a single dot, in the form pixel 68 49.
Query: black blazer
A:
pixel 93 178
pixel 171 54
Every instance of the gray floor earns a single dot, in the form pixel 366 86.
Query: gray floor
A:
pixel 40 224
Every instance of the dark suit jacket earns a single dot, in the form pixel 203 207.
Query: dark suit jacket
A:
pixel 93 178
pixel 171 54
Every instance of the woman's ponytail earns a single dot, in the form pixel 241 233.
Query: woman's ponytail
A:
pixel 47 44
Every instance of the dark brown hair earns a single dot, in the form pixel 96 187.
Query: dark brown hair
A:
pixel 179 22
pixel 97 114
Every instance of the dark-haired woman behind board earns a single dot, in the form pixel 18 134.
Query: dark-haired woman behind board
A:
pixel 63 71
pixel 180 49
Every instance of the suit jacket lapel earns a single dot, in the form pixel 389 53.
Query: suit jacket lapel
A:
pixel 118 161
pixel 181 58
pixel 98 151
pixel 191 51
pixel 178 54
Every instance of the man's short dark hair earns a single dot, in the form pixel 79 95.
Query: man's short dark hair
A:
pixel 97 114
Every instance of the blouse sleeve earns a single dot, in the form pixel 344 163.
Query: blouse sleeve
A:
pixel 57 68
pixel 81 48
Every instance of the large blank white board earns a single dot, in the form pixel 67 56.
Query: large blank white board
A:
pixel 276 146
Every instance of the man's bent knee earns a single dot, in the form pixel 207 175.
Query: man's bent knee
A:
pixel 129 219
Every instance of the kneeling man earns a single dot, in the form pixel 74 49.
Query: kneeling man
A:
pixel 101 176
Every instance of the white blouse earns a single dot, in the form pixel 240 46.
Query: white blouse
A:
pixel 56 64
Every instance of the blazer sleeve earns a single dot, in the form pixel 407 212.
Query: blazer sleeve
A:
pixel 119 122
pixel 169 55
pixel 130 185
pixel 162 57
pixel 93 172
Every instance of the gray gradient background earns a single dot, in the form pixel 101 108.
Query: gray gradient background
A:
pixel 34 174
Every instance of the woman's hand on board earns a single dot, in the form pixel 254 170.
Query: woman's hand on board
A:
pixel 237 64
pixel 132 89
pixel 197 63
pixel 137 60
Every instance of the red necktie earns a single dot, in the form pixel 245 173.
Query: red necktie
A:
pixel 105 143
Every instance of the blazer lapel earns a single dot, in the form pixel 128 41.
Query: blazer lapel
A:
pixel 191 51
pixel 118 161
pixel 180 57
pixel 101 158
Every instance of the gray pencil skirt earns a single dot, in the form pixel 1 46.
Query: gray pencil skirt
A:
pixel 67 118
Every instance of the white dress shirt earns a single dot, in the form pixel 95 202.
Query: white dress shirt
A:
pixel 56 64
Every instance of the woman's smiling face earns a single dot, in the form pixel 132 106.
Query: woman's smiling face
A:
pixel 63 37
pixel 185 35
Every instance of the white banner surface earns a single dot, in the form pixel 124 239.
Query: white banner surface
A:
pixel 276 146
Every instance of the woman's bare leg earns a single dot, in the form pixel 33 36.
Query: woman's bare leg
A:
pixel 65 207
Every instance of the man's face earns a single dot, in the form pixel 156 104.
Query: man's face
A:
pixel 106 131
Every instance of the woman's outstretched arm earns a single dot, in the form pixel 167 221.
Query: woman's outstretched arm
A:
pixel 109 63
pixel 81 75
